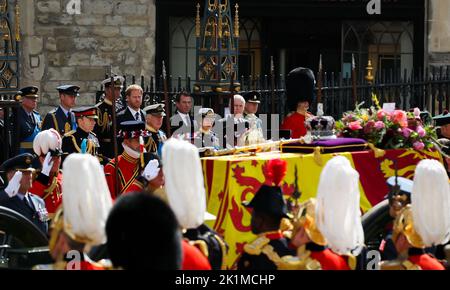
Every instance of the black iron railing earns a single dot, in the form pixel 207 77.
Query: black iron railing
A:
pixel 427 89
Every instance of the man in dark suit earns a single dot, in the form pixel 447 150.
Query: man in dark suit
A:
pixel 133 110
pixel 29 118
pixel 181 122
pixel 16 195
pixel 62 119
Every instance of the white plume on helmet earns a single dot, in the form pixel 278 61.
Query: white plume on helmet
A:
pixel 46 140
pixel 430 202
pixel 338 214
pixel 87 200
pixel 184 182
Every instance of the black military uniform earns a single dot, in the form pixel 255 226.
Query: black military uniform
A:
pixel 266 251
pixel 216 248
pixel 155 142
pixel 29 123
pixel 57 118
pixel 104 129
pixel 27 204
pixel 80 141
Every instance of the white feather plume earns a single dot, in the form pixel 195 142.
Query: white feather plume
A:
pixel 184 182
pixel 87 200
pixel 46 140
pixel 430 202
pixel 338 214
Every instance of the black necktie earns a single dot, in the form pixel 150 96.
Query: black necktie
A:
pixel 137 116
pixel 30 116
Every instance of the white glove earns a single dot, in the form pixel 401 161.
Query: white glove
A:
pixel 47 165
pixel 13 186
pixel 151 170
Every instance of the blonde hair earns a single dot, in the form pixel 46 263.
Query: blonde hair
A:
pixel 133 87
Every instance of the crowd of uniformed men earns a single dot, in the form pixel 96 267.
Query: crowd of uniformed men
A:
pixel 70 183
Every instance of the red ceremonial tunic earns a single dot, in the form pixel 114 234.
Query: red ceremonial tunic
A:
pixel 50 190
pixel 85 265
pixel 128 171
pixel 330 260
pixel 423 260
pixel 193 259
pixel 296 123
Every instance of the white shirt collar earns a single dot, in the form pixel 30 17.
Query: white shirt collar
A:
pixel 21 195
pixel 64 110
pixel 133 112
pixel 185 118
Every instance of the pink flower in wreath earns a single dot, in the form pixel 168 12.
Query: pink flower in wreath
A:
pixel 421 131
pixel 379 125
pixel 356 125
pixel 399 117
pixel 406 132
pixel 381 114
pixel 418 145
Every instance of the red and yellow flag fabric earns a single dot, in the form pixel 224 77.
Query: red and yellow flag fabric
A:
pixel 230 180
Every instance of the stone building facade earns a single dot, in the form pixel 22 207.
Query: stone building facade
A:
pixel 63 45
pixel 58 47
pixel 438 32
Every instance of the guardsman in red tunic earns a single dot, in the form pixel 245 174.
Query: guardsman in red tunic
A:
pixel 423 223
pixel 47 145
pixel 152 178
pixel 80 222
pixel 131 161
pixel 300 84
pixel 332 241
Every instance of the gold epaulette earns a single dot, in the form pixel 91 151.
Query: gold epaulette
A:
pixel 201 245
pixel 286 225
pixel 70 133
pixel 351 261
pixel 301 262
pixel 399 265
pixel 256 247
pixel 307 263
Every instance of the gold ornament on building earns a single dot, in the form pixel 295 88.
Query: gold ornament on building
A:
pixel 236 21
pixel 220 22
pixel 197 21
pixel 17 9
pixel 217 46
pixel 369 76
